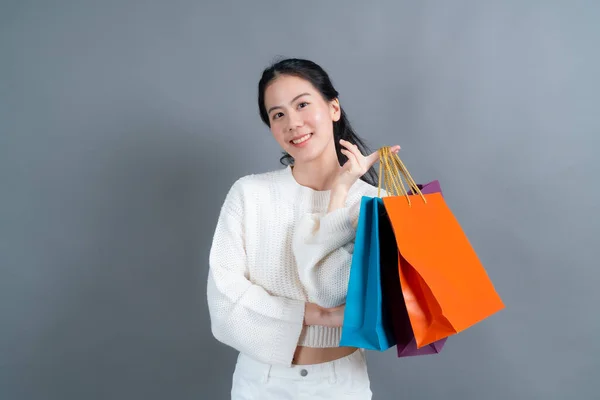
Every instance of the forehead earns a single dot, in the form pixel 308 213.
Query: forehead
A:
pixel 284 88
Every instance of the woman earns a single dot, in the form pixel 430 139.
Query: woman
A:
pixel 282 249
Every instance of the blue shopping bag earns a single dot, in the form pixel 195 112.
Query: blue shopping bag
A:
pixel 367 323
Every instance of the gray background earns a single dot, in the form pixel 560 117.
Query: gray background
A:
pixel 124 123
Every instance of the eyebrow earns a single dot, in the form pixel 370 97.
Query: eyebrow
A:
pixel 293 100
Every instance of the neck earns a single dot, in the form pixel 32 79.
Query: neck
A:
pixel 320 173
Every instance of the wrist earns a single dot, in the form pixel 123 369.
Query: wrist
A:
pixel 313 314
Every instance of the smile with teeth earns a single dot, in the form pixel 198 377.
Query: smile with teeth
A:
pixel 302 139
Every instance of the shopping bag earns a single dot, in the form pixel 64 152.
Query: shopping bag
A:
pixel 366 317
pixel 401 298
pixel 438 267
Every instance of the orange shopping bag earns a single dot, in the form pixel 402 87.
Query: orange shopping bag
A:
pixel 446 288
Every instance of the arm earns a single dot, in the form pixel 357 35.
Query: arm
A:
pixel 244 315
pixel 323 247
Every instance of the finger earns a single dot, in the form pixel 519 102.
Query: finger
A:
pixel 348 153
pixel 361 162
pixel 351 162
pixel 395 149
pixel 352 147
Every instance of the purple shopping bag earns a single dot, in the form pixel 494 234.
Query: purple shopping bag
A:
pixel 406 344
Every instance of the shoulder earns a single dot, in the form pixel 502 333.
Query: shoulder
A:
pixel 248 191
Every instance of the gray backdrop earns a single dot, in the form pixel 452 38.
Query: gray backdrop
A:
pixel 124 123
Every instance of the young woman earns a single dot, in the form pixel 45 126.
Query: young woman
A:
pixel 282 249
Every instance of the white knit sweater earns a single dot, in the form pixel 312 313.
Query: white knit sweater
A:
pixel 275 248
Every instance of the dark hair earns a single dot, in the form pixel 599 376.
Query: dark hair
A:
pixel 314 74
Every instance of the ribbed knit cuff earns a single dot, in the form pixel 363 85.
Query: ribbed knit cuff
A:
pixel 289 334
pixel 320 336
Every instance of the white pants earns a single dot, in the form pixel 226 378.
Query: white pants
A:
pixel 344 378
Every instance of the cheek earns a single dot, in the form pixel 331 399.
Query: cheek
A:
pixel 318 117
pixel 321 120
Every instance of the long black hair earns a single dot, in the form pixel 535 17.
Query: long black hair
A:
pixel 313 73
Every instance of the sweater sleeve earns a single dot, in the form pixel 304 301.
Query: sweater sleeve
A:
pixel 323 245
pixel 244 315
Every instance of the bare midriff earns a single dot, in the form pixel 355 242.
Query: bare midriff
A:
pixel 313 355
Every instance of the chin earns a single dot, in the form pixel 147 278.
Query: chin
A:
pixel 304 156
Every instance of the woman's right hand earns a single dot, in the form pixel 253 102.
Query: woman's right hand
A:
pixel 317 315
pixel 356 166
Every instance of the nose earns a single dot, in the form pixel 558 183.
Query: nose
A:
pixel 294 121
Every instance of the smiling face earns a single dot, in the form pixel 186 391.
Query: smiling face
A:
pixel 301 119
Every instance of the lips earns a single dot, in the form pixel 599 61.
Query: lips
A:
pixel 300 139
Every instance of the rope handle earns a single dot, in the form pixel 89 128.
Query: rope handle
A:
pixel 391 172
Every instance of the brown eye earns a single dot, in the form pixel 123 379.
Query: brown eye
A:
pixel 277 115
pixel 302 105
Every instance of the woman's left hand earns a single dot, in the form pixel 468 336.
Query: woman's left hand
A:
pixel 356 166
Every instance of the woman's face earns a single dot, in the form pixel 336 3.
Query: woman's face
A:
pixel 301 120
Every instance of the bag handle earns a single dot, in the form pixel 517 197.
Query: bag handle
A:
pixel 390 176
pixel 393 171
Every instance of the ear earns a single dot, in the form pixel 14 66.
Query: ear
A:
pixel 335 110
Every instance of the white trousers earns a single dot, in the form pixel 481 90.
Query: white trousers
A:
pixel 344 378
